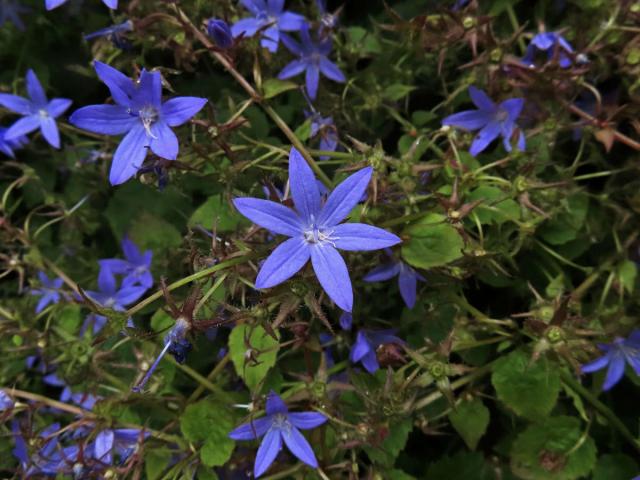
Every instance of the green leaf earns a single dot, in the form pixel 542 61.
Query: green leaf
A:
pixel 529 389
pixel 362 41
pixel 397 91
pixel 616 466
pixel 627 272
pixel 432 243
pixel 496 206
pixel 470 419
pixel 248 343
pixel 210 422
pixel 153 233
pixel 461 466
pixel 386 453
pixel 565 226
pixel 555 449
pixel 274 87
pixel 155 462
pixel 161 321
pixel 69 318
pixel 215 211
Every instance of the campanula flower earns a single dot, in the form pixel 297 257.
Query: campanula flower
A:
pixel 492 120
pixel 50 459
pixel 328 20
pixel 326 130
pixel 37 112
pixel 313 59
pixel 83 400
pixel 367 342
pixel 315 230
pixel 122 442
pixel 136 266
pixel 110 296
pixel 277 426
pixel 115 34
pixel 6 402
pixel 552 44
pixel 8 146
pixel 141 115
pixel 49 292
pixel 407 277
pixel 220 32
pixel 270 18
pixel 51 4
pixel 10 10
pixel 616 354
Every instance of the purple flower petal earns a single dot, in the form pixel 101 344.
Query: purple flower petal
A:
pixel 286 260
pixel 312 79
pixel 407 282
pixel 275 404
pixel 307 420
pixel 251 430
pixel 615 372
pixel 120 86
pixel 246 26
pixel 296 67
pixel 370 362
pixel 362 237
pixel 345 197
pixel 481 99
pixel 468 120
pixel 58 106
pixel 268 451
pixel 487 135
pixel 360 348
pixel 129 155
pixel 513 107
pixel 50 131
pixel 23 126
pixel 331 70
pixel 333 275
pixel 165 143
pixel 290 22
pixel 299 446
pixel 15 103
pixel 103 446
pixel 35 90
pixel 304 188
pixel 104 119
pixel 179 110
pixel 383 272
pixel 270 215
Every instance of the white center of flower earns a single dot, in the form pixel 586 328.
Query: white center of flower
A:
pixel 502 115
pixel 148 115
pixel 43 113
pixel 109 302
pixel 313 234
pixel 281 422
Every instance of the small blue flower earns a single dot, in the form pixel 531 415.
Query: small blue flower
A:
pixel 122 442
pixel 8 146
pixel 313 60
pixel 552 44
pixel 280 425
pixel 136 267
pixel 83 400
pixel 37 111
pixel 270 18
pixel 326 129
pixel 220 32
pixel 407 277
pixel 51 4
pixel 367 342
pixel 617 353
pixel 328 20
pixel 492 120
pixel 315 230
pixel 141 115
pixel 115 34
pixel 49 292
pixel 10 10
pixel 6 402
pixel 110 296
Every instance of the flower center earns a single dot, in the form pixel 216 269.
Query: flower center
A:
pixel 281 422
pixel 109 302
pixel 502 115
pixel 148 115
pixel 313 234
pixel 43 113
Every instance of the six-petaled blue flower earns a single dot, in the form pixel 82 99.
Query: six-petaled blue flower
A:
pixel 279 426
pixel 492 120
pixel 270 18
pixel 49 292
pixel 552 44
pixel 141 115
pixel 367 342
pixel 37 112
pixel 315 230
pixel 313 59
pixel 616 354
pixel 407 278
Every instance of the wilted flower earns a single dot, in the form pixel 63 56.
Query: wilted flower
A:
pixel 313 59
pixel 141 115
pixel 492 120
pixel 135 267
pixel 315 230
pixel 37 111
pixel 49 291
pixel 328 20
pixel 280 425
pixel 114 33
pixel 367 342
pixel 552 44
pixel 8 146
pixel 270 17
pixel 220 32
pixel 51 4
pixel 407 277
pixel 617 354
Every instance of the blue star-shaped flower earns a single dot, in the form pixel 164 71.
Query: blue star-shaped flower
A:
pixel 617 353
pixel 115 34
pixel 313 59
pixel 280 425
pixel 121 441
pixel 552 44
pixel 367 342
pixel 136 267
pixel 8 146
pixel 407 278
pixel 110 296
pixel 492 120
pixel 270 17
pixel 10 10
pixel 141 115
pixel 51 4
pixel 37 111
pixel 49 292
pixel 326 130
pixel 315 230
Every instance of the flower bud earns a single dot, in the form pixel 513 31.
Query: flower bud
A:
pixel 220 32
